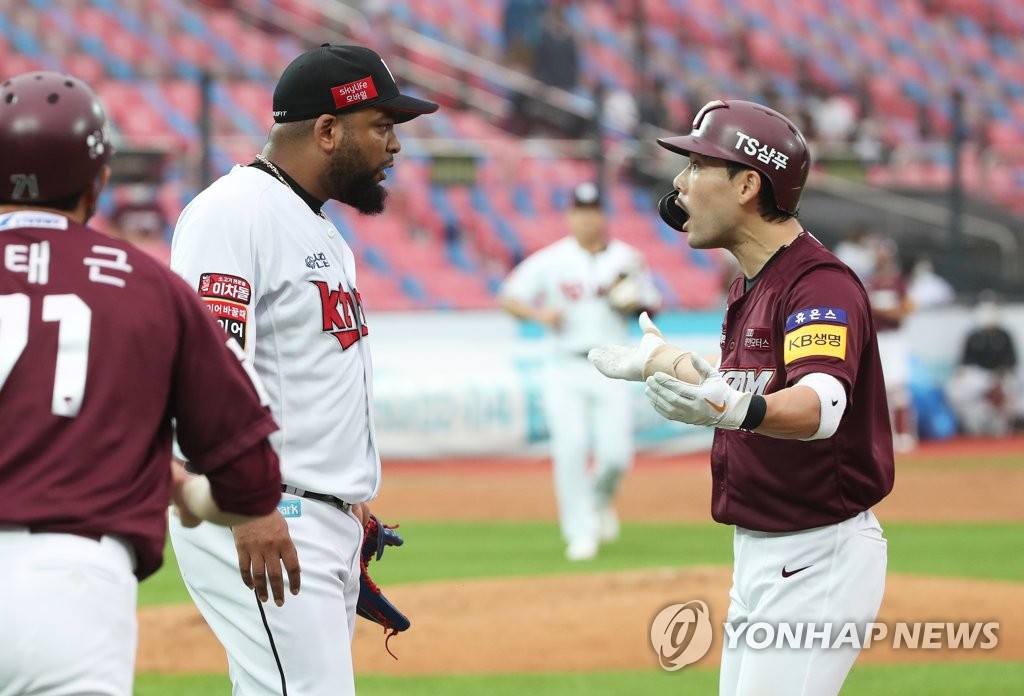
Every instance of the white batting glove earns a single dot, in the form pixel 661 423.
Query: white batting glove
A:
pixel 627 362
pixel 712 402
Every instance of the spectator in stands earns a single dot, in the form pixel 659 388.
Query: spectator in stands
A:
pixel 890 306
pixel 927 288
pixel 653 116
pixel 584 289
pixel 620 112
pixel 857 251
pixel 521 28
pixel 984 390
pixel 834 118
pixel 867 141
pixel 652 105
pixel 556 63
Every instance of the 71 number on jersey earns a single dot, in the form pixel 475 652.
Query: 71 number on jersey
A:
pixel 75 325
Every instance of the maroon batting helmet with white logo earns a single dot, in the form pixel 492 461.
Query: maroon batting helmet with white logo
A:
pixel 53 138
pixel 754 136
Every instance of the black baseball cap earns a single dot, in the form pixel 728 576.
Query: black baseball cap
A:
pixel 586 195
pixel 333 79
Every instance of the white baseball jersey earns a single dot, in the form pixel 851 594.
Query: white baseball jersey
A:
pixel 282 281
pixel 583 408
pixel 567 277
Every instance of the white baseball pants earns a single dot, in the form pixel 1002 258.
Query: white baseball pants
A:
pixel 586 408
pixel 307 643
pixel 835 574
pixel 67 607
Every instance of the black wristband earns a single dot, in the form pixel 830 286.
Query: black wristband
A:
pixel 755 412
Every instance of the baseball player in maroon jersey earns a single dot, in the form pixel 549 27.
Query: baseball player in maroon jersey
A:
pixel 101 348
pixel 890 307
pixel 802 446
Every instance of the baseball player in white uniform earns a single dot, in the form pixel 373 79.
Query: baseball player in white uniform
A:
pixel 584 288
pixel 282 281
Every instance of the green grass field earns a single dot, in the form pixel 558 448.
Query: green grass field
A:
pixel 505 549
pixel 990 679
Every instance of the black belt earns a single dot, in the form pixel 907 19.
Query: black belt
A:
pixel 322 497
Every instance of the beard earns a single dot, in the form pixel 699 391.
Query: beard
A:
pixel 351 180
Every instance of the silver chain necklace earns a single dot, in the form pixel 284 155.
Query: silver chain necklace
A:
pixel 276 172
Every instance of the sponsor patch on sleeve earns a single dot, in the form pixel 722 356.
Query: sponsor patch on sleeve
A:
pixel 233 318
pixel 221 286
pixel 815 332
pixel 829 315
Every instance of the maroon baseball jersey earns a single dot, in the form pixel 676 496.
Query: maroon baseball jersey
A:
pixel 806 312
pixel 100 347
pixel 888 297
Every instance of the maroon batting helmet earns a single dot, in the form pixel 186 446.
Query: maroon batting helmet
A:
pixel 53 136
pixel 754 136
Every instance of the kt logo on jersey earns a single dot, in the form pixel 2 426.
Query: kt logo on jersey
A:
pixel 341 313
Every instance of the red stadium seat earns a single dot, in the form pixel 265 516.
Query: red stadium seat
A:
pixel 767 54
pixel 184 95
pixel 92 20
pixel 134 116
pixel 255 100
pixel 83 66
pixel 457 289
pixel 908 47
pixel 16 63
pixel 381 292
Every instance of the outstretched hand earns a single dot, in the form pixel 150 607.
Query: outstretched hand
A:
pixel 711 402
pixel 627 362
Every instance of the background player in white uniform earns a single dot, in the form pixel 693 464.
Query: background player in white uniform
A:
pixel 282 282
pixel 100 347
pixel 584 288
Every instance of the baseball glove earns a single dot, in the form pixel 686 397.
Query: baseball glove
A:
pixel 626 293
pixel 372 604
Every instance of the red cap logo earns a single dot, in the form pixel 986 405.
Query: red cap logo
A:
pixel 354 92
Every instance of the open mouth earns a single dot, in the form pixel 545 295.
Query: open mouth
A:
pixel 686 214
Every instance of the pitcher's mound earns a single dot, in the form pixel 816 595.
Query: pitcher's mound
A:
pixel 580 622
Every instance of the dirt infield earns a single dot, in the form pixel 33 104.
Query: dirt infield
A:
pixel 579 622
pixel 590 621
